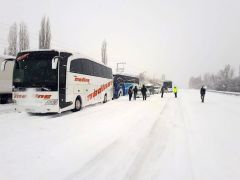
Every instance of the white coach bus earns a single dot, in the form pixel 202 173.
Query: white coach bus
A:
pixel 47 81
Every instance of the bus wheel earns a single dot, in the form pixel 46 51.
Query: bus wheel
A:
pixel 105 98
pixel 78 105
pixel 119 94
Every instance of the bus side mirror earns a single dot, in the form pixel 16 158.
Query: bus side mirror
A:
pixel 55 62
pixel 3 65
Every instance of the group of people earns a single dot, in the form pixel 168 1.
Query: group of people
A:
pixel 144 92
pixel 134 92
pixel 175 91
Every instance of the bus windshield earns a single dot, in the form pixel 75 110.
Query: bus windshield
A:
pixel 34 69
pixel 167 84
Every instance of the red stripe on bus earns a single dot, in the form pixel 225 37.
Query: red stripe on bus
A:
pixel 99 90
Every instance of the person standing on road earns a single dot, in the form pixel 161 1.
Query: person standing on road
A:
pixel 203 92
pixel 135 90
pixel 130 92
pixel 162 91
pixel 175 90
pixel 144 92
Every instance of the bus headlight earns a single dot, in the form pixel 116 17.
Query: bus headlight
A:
pixel 51 102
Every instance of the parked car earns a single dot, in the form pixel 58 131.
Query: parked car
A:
pixel 157 89
pixel 150 88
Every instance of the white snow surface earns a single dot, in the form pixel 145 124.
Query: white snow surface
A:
pixel 161 138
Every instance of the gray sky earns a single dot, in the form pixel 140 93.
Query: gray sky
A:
pixel 171 37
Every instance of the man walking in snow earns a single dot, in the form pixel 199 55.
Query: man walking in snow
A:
pixel 135 90
pixel 175 91
pixel 162 91
pixel 203 92
pixel 130 92
pixel 144 92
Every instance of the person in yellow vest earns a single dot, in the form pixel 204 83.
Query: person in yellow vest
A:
pixel 175 90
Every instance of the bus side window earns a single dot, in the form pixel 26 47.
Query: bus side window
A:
pixel 95 69
pixel 74 67
pixel 105 72
pixel 100 70
pixel 86 67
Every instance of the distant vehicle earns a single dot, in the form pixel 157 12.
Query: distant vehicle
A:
pixel 139 93
pixel 156 89
pixel 47 81
pixel 150 88
pixel 122 83
pixel 148 93
pixel 6 80
pixel 168 86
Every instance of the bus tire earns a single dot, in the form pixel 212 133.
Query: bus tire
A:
pixel 3 99
pixel 119 94
pixel 78 105
pixel 9 99
pixel 105 98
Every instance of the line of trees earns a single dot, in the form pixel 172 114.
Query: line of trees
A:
pixel 104 52
pixel 18 40
pixel 224 80
pixel 45 34
pixel 145 79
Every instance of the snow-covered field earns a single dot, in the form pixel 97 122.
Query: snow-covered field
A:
pixel 165 139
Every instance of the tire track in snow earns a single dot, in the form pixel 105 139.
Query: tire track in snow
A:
pixel 138 162
pixel 126 147
pixel 166 152
pixel 98 157
pixel 188 130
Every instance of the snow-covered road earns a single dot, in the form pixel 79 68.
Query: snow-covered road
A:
pixel 161 138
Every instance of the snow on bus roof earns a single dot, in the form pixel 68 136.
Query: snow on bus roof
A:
pixel 74 54
pixel 80 55
pixel 125 74
pixel 35 50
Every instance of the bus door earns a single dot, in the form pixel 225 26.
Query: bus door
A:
pixel 62 81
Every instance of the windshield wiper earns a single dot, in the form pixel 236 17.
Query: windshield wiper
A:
pixel 45 89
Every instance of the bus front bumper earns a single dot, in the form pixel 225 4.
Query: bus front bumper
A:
pixel 38 109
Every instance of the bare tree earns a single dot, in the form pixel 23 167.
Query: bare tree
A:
pixel 48 34
pixel 104 52
pixel 42 34
pixel 209 80
pixel 226 76
pixel 142 77
pixel 227 72
pixel 45 34
pixel 23 37
pixel 12 40
pixel 223 81
pixel 195 82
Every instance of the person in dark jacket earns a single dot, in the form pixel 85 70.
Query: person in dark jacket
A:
pixel 130 92
pixel 162 91
pixel 135 90
pixel 203 92
pixel 144 92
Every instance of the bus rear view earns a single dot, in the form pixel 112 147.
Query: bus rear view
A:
pixel 167 86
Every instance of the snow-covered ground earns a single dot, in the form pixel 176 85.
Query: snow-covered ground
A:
pixel 161 138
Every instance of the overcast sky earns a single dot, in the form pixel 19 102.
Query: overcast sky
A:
pixel 178 38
